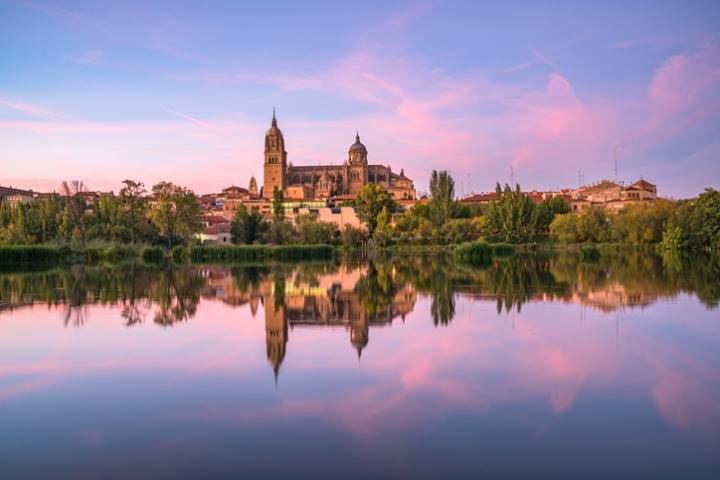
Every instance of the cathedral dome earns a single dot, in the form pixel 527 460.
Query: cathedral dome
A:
pixel 358 147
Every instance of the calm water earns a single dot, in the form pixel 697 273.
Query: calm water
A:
pixel 405 367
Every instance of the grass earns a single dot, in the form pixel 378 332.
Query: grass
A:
pixel 21 254
pixel 255 253
pixel 481 253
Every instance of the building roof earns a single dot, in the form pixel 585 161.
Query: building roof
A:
pixel 642 185
pixel 357 147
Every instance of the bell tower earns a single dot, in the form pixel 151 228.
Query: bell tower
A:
pixel 357 166
pixel 275 166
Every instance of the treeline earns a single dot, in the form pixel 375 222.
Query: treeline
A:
pixel 171 215
pixel 686 225
pixel 512 217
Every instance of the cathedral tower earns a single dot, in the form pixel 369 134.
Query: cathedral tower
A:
pixel 275 167
pixel 357 166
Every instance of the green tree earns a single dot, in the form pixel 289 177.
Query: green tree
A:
pixel 442 193
pixel 132 196
pixel 511 217
pixel 547 210
pixel 176 212
pixel 75 206
pixel 247 226
pixel 369 202
pixel 310 231
pixel 278 210
pixel 383 234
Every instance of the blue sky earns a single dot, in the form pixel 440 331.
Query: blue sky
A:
pixel 183 91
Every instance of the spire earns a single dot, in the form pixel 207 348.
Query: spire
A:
pixel 357 136
pixel 274 120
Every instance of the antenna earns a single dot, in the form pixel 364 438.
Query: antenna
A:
pixel 615 158
pixel 579 179
pixel 512 176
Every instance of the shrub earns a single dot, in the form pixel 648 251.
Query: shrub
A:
pixel 117 253
pixel 92 255
pixel 179 254
pixel 12 254
pixel 253 253
pixel 153 254
pixel 478 252
pixel 502 249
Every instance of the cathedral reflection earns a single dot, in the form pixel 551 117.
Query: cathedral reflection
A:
pixel 303 298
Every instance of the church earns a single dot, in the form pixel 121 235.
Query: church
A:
pixel 327 181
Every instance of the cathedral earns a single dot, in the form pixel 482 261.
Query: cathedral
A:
pixel 326 181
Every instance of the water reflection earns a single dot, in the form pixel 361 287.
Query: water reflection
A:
pixel 453 385
pixel 360 295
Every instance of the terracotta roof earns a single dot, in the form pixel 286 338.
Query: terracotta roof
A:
pixel 642 184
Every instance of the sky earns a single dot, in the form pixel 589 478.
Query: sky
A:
pixel 543 93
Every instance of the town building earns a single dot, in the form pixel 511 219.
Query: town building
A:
pixel 326 181
pixel 15 196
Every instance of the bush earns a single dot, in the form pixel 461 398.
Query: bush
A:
pixel 258 253
pixel 179 254
pixel 12 254
pixel 481 253
pixel 92 255
pixel 589 253
pixel 473 253
pixel 117 253
pixel 502 249
pixel 153 254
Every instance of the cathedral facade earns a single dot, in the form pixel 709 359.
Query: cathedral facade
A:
pixel 325 181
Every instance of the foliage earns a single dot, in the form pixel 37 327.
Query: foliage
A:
pixel 511 217
pixel 370 201
pixel 75 207
pixel 15 254
pixel 442 194
pixel 547 210
pixel 250 253
pixel 152 254
pixel 481 252
pixel 643 223
pixel 589 226
pixel 176 211
pixel 695 224
pixel 247 227
pixel 179 254
pixel 352 237
pixel 311 231
pixel 383 234
pixel 278 211
pixel 134 204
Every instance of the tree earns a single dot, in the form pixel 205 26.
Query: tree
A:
pixel 133 201
pixel 383 235
pixel 369 202
pixel 511 217
pixel 278 210
pixel 352 237
pixel 442 193
pixel 546 211
pixel 310 231
pixel 75 206
pixel 176 211
pixel 246 227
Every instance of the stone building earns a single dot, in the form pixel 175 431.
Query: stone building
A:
pixel 612 196
pixel 324 181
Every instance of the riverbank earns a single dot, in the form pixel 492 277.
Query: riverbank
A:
pixel 53 255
